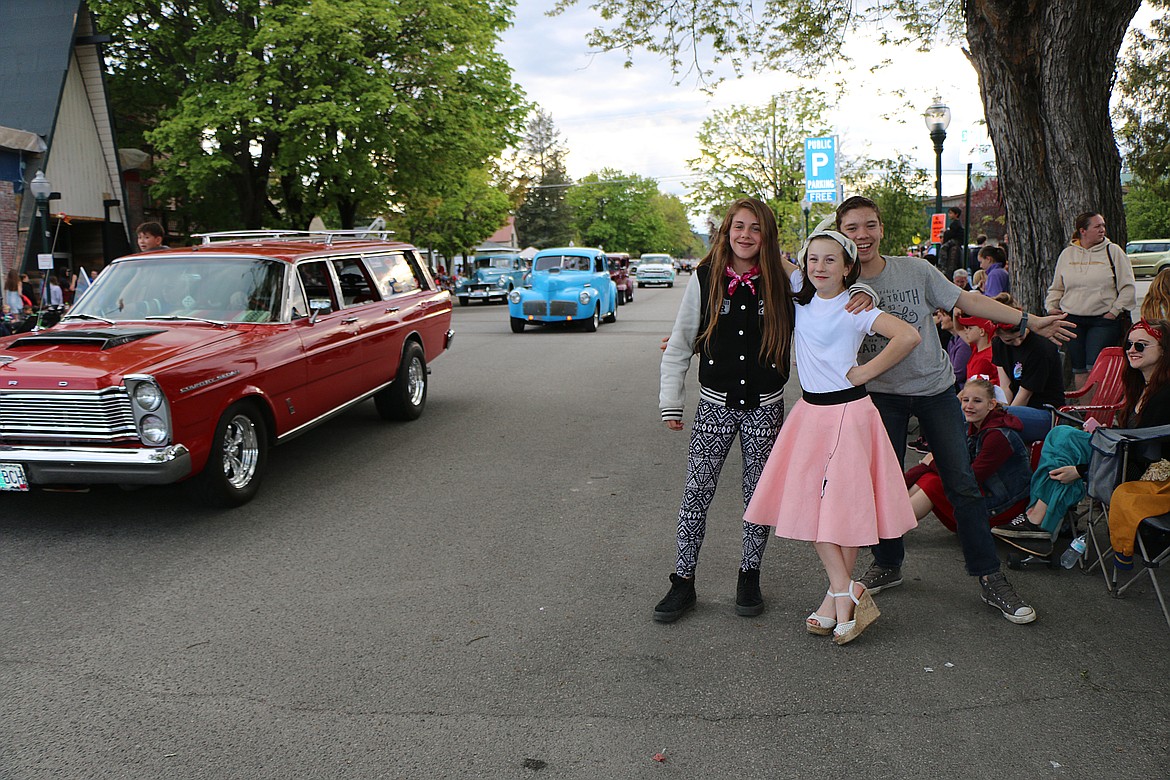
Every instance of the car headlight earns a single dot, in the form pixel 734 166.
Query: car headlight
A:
pixel 514 296
pixel 153 430
pixel 584 297
pixel 502 281
pixel 148 396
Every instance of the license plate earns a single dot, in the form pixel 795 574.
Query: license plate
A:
pixel 479 294
pixel 12 477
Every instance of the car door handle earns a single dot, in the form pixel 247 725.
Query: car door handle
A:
pixel 392 310
pixel 349 320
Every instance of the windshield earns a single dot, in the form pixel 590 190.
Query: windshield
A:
pixel 567 262
pixel 221 289
pixel 660 259
pixel 503 261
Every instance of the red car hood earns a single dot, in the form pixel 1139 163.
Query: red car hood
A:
pixel 92 355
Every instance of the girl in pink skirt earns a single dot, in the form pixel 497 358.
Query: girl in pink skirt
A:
pixel 832 478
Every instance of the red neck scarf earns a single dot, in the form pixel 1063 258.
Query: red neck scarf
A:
pixel 746 279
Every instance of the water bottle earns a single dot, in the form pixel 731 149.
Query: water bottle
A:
pixel 1074 552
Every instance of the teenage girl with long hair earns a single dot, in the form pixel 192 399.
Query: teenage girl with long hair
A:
pixel 736 314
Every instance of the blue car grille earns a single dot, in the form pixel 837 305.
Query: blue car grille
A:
pixel 562 308
pixel 96 416
pixel 535 308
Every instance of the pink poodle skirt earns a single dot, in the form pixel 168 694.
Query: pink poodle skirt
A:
pixel 833 477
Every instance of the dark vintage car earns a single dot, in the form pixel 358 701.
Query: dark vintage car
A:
pixel 188 364
pixel 619 271
pixel 492 278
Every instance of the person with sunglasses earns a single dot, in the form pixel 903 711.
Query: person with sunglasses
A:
pixel 1058 482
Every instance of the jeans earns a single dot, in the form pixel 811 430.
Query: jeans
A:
pixel 1093 334
pixel 1037 422
pixel 941 420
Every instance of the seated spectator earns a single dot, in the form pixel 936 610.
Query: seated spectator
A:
pixel 992 260
pixel 999 459
pixel 977 332
pixel 961 278
pixel 1059 484
pixel 1031 374
pixel 958 350
pixel 979 280
pixel 1156 304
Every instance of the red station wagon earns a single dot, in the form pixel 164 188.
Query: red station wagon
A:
pixel 190 363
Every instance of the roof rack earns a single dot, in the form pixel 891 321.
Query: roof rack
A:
pixel 324 236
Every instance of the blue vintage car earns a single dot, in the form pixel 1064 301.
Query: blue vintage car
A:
pixel 567 285
pixel 492 278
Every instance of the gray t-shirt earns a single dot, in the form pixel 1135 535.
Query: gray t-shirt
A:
pixel 911 289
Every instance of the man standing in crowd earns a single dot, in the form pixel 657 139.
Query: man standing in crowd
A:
pixel 922 385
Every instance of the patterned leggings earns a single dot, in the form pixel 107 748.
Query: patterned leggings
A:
pixel 711 439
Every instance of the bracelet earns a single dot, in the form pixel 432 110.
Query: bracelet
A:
pixel 1023 326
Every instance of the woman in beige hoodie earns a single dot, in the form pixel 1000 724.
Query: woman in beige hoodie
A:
pixel 1093 284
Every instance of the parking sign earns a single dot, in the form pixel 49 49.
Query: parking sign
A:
pixel 820 169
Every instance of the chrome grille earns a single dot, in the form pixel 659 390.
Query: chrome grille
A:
pixel 68 415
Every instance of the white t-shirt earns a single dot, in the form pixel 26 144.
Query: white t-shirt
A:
pixel 826 340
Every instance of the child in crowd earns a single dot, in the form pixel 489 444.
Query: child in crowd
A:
pixel 999 459
pixel 1030 373
pixel 833 478
pixel 958 350
pixel 977 332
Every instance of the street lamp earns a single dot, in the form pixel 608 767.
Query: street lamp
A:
pixel 42 190
pixel 937 117
pixel 805 206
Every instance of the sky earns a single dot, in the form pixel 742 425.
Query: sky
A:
pixel 637 121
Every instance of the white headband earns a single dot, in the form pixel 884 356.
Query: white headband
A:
pixel 825 230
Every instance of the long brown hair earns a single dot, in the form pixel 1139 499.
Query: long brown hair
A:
pixel 778 311
pixel 1137 390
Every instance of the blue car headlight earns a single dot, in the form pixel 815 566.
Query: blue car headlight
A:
pixel 514 296
pixel 585 297
pixel 502 281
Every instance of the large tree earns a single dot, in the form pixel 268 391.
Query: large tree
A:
pixel 1045 72
pixel 301 107
pixel 620 212
pixel 544 217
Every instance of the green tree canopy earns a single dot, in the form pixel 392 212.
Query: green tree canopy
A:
pixel 1045 70
pixel 544 218
pixel 622 212
pixel 282 110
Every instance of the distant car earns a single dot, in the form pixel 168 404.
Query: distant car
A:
pixel 492 278
pixel 189 364
pixel 566 285
pixel 655 269
pixel 619 271
pixel 1149 256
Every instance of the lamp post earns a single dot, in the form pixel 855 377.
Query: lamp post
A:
pixel 805 206
pixel 41 190
pixel 937 117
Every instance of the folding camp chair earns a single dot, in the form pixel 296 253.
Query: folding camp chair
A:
pixel 1104 382
pixel 1152 548
pixel 1111 450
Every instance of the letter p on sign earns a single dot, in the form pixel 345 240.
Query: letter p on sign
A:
pixel 819 161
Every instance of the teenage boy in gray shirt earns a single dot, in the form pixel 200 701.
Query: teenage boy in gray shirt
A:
pixel 922 385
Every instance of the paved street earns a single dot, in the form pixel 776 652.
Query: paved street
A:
pixel 469 596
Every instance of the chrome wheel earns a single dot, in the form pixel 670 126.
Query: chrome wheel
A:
pixel 416 381
pixel 241 451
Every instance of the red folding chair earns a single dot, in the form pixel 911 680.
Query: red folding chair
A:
pixel 1104 382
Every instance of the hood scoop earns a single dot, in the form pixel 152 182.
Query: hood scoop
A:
pixel 102 339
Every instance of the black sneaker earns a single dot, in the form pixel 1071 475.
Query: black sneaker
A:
pixel 680 598
pixel 999 593
pixel 879 577
pixel 749 601
pixel 1021 528
pixel 919 445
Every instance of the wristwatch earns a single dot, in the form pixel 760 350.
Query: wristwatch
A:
pixel 1023 326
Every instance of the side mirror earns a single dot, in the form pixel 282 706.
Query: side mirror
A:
pixel 318 305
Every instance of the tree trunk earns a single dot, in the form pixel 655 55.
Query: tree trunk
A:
pixel 1046 69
